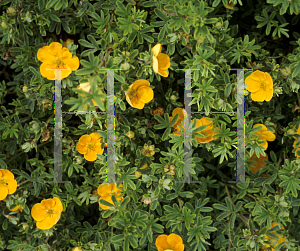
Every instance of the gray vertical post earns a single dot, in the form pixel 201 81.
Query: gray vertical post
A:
pixel 58 130
pixel 188 151
pixel 240 152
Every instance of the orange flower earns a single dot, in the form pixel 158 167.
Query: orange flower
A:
pixel 208 132
pixel 90 146
pixel 16 208
pixel 160 61
pixel 259 162
pixel 47 213
pixel 68 41
pixel 260 84
pixel 53 57
pixel 106 190
pixel 280 240
pixel 87 88
pixel 173 242
pixel 265 135
pixel 8 184
pixel 139 93
pixel 298 132
pixel 180 119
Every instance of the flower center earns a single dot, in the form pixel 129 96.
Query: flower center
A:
pixel 3 182
pixel 50 212
pixel 168 249
pixel 263 85
pixel 58 62
pixel 132 93
pixel 90 146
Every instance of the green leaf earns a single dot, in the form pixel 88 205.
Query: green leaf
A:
pixel 85 43
pixel 160 119
pixel 216 3
pixel 296 71
pixel 54 18
pixel 221 207
pixel 160 14
pixel 227 90
pixel 50 3
pixel 41 4
pixel 117 238
pixel 105 203
pixel 166 133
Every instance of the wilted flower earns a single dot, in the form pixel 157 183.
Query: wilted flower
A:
pixel 265 135
pixel 160 111
pixel 260 84
pixel 139 93
pixel 47 213
pixel 160 61
pixel 53 57
pixel 144 167
pixel 169 169
pixel 173 242
pixel 148 150
pixel 90 146
pixel 8 184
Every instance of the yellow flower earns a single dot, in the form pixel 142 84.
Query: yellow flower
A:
pixel 139 93
pixel 77 249
pixel 208 132
pixel 259 162
pixel 16 208
pixel 180 119
pixel 280 240
pixel 298 132
pixel 106 190
pixel 260 84
pixel 68 41
pixel 144 167
pixel 8 184
pixel 90 146
pixel 169 169
pixel 265 135
pixel 160 61
pixel 87 88
pixel 53 57
pixel 173 242
pixel 160 111
pixel 229 6
pixel 47 213
pixel 148 150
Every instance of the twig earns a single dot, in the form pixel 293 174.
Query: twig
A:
pixel 179 204
pixel 22 183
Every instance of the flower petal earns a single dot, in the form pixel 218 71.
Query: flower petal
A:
pixel 155 64
pixel 44 54
pixel 269 136
pixel 269 80
pixel 46 223
pixel 269 95
pixel 48 204
pixel 179 247
pixel 259 96
pixel 265 145
pixel 90 155
pixel 163 61
pixel 156 49
pixel 85 139
pixel 73 63
pixel 95 138
pixel 98 148
pixel 7 175
pixel 104 189
pixel 65 73
pixel 12 186
pixel 58 205
pixel 252 85
pixel 145 94
pixel 3 192
pixel 37 212
pixel 163 73
pixel 139 83
pixel 55 47
pixel 258 75
pixel 81 148
pixel 173 239
pixel 49 74
pixel 136 103
pixel 161 242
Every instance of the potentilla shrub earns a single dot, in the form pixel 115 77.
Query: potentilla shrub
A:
pixel 175 146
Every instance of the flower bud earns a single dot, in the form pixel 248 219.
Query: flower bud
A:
pixel 4 25
pixel 125 66
pixel 130 134
pixel 77 249
pixel 218 25
pixel 286 71
pixel 11 11
pixel 24 226
pixel 173 97
pixel 25 89
pixel 290 132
